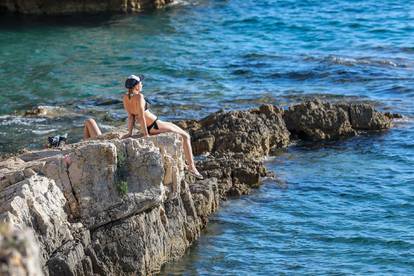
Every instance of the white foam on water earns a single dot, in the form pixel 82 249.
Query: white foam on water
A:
pixel 184 3
pixel 49 107
pixel 41 132
pixel 17 120
pixel 354 61
pixel 364 61
pixel 404 122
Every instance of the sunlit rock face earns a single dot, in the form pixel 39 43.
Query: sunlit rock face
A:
pixel 130 197
pixel 19 252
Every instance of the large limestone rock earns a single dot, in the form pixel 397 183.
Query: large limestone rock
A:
pixel 79 6
pixel 105 181
pixel 19 252
pixel 38 203
pixel 103 193
pixel 91 199
pixel 161 234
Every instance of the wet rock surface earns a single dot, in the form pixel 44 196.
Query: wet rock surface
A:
pixel 113 206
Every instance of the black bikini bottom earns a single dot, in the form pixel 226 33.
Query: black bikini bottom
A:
pixel 153 125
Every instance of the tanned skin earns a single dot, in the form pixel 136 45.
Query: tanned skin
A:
pixel 134 104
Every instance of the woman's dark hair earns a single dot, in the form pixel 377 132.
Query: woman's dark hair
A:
pixel 130 84
pixel 131 81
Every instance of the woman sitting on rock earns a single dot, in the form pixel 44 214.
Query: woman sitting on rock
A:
pixel 137 107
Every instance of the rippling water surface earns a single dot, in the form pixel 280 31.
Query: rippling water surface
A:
pixel 341 208
pixel 338 209
pixel 200 56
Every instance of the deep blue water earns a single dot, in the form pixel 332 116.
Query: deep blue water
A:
pixel 338 208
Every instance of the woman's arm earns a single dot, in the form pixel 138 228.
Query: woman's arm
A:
pixel 131 123
pixel 141 116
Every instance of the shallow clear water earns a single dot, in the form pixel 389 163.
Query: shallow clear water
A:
pixel 341 208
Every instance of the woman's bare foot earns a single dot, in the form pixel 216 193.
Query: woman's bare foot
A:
pixel 193 171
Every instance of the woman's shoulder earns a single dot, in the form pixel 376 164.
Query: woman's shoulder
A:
pixel 140 97
pixel 133 96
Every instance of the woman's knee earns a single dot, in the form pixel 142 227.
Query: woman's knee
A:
pixel 90 122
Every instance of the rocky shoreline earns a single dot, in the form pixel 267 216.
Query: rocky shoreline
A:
pixel 117 206
pixel 39 7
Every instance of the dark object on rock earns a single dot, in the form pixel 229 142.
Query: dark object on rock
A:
pixel 55 141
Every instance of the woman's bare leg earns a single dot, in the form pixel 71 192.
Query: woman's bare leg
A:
pixel 170 127
pixel 91 129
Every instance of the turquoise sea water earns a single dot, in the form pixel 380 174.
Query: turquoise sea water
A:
pixel 337 208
